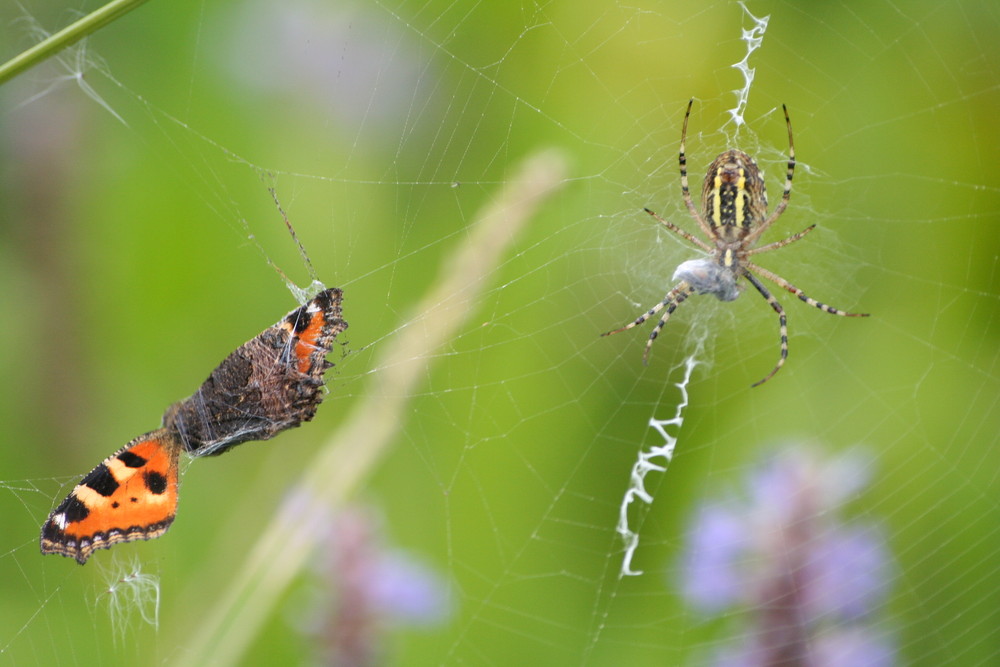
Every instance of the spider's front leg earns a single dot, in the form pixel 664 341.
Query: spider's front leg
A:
pixel 674 298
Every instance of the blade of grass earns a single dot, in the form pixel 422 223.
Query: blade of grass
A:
pixel 225 632
pixel 67 36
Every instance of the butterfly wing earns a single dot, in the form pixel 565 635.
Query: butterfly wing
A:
pixel 132 495
pixel 269 384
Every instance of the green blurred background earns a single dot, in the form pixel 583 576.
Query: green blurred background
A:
pixel 127 272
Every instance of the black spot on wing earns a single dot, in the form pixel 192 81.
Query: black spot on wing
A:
pixel 131 460
pixel 73 509
pixel 301 319
pixel 101 480
pixel 155 482
pixel 51 531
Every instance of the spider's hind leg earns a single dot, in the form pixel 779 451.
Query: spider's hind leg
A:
pixel 782 324
pixel 781 282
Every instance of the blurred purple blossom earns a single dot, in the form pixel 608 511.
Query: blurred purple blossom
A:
pixel 366 588
pixel 713 574
pixel 407 591
pixel 808 581
pixel 342 59
pixel 848 571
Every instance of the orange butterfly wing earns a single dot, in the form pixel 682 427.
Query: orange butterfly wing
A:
pixel 132 495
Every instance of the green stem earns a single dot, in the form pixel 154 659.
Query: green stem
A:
pixel 69 35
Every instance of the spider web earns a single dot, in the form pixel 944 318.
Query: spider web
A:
pixel 137 170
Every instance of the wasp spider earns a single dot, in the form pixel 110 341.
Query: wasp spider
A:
pixel 734 217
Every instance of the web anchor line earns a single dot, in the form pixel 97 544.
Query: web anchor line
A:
pixel 644 464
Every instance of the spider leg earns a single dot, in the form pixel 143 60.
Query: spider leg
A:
pixel 781 282
pixel 674 298
pixel 683 291
pixel 670 297
pixel 685 189
pixel 783 204
pixel 782 243
pixel 680 232
pixel 782 322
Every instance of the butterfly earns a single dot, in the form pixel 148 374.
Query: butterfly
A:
pixel 271 383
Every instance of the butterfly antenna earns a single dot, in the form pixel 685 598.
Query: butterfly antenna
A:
pixel 291 230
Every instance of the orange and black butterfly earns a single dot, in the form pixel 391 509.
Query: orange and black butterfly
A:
pixel 271 383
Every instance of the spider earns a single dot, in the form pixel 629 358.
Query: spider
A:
pixel 734 216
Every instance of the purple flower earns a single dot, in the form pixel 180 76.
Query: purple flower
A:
pixel 406 591
pixel 365 588
pixel 716 545
pixel 847 572
pixel 807 582
pixel 852 647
